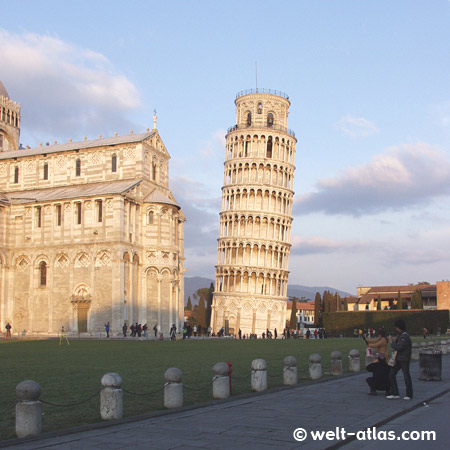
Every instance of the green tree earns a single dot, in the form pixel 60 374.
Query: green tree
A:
pixel 335 302
pixel 416 301
pixel 189 304
pixel 201 313
pixel 209 300
pixel 345 304
pixel 317 309
pixel 379 303
pixel 293 320
pixel 326 301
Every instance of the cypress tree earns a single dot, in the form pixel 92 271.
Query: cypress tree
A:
pixel 293 321
pixel 345 304
pixel 379 303
pixel 317 309
pixel 189 304
pixel 399 301
pixel 201 313
pixel 416 301
pixel 209 300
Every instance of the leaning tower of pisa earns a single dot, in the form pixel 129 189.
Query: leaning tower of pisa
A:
pixel 256 216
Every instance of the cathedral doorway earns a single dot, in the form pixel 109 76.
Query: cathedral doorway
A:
pixel 82 318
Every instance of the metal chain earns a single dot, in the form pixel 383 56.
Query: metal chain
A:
pixel 197 390
pixel 240 378
pixel 143 393
pixel 72 404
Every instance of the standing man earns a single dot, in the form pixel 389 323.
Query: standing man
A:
pixel 8 330
pixel 402 346
pixel 155 329
pixel 107 329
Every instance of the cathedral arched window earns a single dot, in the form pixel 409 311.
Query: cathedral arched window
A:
pixel 150 217
pixel 43 273
pixel 45 175
pixel 259 108
pixel 249 118
pixel 16 175
pixel 78 167
pixel 154 172
pixel 270 120
pixel 114 163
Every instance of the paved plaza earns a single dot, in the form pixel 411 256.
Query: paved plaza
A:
pixel 267 421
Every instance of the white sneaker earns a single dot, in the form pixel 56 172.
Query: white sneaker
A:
pixel 406 398
pixel 391 397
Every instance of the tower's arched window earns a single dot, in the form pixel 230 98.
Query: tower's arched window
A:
pixel 150 217
pixel 259 108
pixel 78 167
pixel 154 172
pixel 270 120
pixel 269 148
pixel 114 163
pixel 43 273
pixel 16 174
pixel 45 171
pixel 249 118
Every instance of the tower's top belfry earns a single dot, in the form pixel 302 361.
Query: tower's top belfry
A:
pixel 9 122
pixel 262 108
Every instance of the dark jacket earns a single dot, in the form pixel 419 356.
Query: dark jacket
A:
pixel 403 347
pixel 380 372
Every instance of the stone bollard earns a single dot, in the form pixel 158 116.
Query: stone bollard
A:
pixel 336 363
pixel 415 351
pixel 221 380
pixel 290 371
pixel 111 397
pixel 354 363
pixel 444 349
pixel 315 366
pixel 259 375
pixel 173 389
pixel 28 409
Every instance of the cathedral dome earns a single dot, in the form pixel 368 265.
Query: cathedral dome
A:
pixel 3 91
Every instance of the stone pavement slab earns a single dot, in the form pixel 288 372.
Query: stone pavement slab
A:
pixel 263 421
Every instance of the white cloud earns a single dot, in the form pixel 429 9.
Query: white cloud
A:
pixel 63 88
pixel 321 245
pixel 356 126
pixel 404 176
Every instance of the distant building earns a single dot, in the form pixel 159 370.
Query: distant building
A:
pixel 434 296
pixel 305 312
pixel 89 233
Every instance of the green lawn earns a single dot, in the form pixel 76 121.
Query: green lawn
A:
pixel 69 374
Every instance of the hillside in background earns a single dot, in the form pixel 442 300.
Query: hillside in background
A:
pixel 192 284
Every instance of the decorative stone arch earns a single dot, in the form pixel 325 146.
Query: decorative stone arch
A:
pixel 103 258
pixel 82 259
pixel 61 259
pixel 136 258
pixel 22 261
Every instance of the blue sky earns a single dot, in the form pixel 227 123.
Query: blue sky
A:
pixel 370 93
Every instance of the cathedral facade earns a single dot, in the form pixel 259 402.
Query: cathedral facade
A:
pixel 256 216
pixel 89 233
